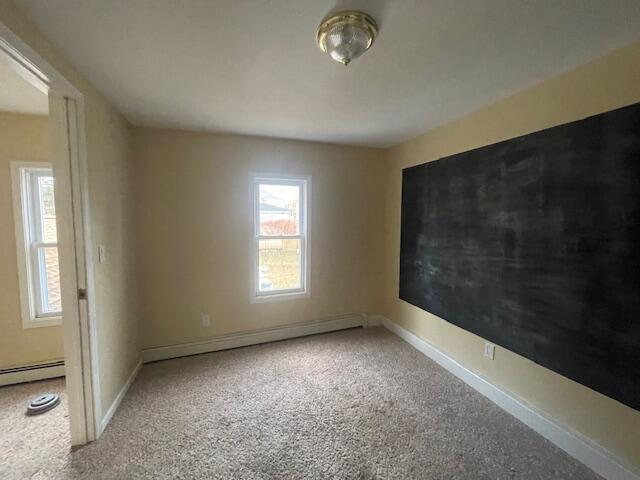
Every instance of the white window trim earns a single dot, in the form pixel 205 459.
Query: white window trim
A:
pixel 25 265
pixel 304 234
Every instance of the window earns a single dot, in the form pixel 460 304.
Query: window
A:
pixel 280 245
pixel 37 243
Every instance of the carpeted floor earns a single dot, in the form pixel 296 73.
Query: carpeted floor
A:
pixel 29 445
pixel 356 404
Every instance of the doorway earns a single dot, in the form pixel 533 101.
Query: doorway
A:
pixel 53 256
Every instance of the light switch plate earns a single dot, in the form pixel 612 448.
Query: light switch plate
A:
pixel 101 254
pixel 489 350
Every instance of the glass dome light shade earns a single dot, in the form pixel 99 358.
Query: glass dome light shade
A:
pixel 346 35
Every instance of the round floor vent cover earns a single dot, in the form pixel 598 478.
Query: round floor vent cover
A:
pixel 43 403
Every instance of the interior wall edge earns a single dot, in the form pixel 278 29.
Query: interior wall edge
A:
pixel 595 74
pixel 579 446
pixel 108 415
pixel 255 337
pixel 577 94
pixel 108 135
pixel 187 269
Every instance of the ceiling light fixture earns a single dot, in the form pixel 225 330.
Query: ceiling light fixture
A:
pixel 346 35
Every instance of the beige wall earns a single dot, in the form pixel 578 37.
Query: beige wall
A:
pixel 108 140
pixel 23 138
pixel 192 244
pixel 113 225
pixel 609 83
pixel 194 209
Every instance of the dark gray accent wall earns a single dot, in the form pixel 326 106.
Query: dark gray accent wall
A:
pixel 534 244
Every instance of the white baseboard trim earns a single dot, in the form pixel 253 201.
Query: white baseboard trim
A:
pixel 255 337
pixel 118 400
pixel 31 373
pixel 585 450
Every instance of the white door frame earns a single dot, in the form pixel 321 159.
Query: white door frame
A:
pixel 66 114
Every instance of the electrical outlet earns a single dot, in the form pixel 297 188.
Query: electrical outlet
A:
pixel 101 254
pixel 489 350
pixel 206 321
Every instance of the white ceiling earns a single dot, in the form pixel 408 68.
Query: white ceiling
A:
pixel 16 94
pixel 252 66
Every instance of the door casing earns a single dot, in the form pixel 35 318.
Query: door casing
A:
pixel 67 120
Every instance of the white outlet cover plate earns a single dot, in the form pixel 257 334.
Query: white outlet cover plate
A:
pixel 489 350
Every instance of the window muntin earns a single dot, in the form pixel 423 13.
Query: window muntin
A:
pixel 37 244
pixel 280 244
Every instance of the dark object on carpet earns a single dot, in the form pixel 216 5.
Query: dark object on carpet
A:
pixel 43 404
pixel 357 404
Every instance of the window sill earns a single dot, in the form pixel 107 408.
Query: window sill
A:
pixel 42 322
pixel 279 296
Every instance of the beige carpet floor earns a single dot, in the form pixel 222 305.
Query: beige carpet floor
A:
pixel 32 446
pixel 356 404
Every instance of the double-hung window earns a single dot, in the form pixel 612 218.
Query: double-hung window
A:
pixel 280 245
pixel 37 243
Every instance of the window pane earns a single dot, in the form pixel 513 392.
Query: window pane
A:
pixel 47 209
pixel 279 209
pixel 51 301
pixel 279 265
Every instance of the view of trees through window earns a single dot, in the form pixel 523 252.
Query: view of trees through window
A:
pixel 279 257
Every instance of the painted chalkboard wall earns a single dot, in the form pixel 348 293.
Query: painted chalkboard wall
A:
pixel 534 244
